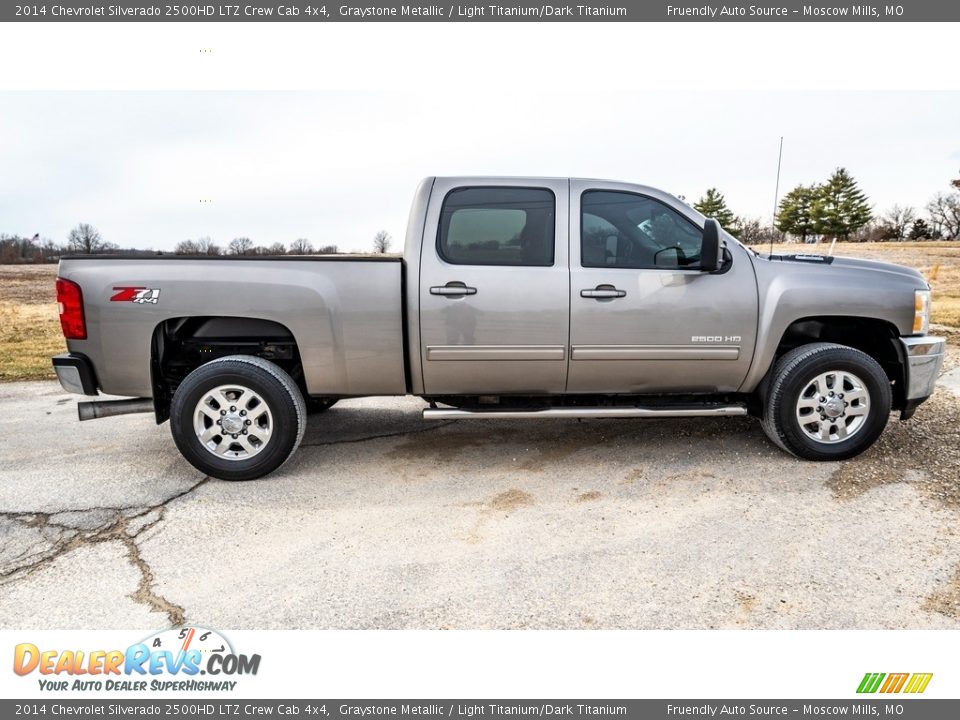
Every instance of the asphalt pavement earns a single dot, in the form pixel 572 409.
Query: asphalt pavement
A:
pixel 384 520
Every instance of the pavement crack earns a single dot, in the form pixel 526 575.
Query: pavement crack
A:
pixel 367 438
pixel 124 525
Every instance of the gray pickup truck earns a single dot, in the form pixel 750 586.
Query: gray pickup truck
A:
pixel 515 298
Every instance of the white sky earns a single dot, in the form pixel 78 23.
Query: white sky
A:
pixel 336 167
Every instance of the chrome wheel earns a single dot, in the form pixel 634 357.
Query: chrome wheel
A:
pixel 233 422
pixel 833 407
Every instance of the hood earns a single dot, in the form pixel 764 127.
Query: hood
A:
pixel 831 263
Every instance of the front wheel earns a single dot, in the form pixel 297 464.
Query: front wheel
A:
pixel 826 402
pixel 238 417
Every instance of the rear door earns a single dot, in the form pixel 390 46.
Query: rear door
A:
pixel 643 317
pixel 494 287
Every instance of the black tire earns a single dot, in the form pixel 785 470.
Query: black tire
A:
pixel 285 418
pixel 319 405
pixel 794 374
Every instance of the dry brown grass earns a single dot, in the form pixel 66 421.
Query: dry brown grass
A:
pixel 938 261
pixel 29 325
pixel 30 329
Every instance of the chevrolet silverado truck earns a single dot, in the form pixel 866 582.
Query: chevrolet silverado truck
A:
pixel 515 298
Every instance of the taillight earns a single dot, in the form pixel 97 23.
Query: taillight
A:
pixel 70 300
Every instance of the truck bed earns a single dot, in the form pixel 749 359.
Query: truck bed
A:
pixel 345 312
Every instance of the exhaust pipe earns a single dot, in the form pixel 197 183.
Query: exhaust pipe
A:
pixel 109 408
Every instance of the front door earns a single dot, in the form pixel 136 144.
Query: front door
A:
pixel 644 318
pixel 494 288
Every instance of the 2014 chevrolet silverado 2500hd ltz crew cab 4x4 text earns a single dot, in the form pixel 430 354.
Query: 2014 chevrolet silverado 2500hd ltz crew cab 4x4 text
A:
pixel 515 298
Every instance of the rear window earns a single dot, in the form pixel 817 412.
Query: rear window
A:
pixel 497 226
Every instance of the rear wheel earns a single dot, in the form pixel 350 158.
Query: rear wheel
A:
pixel 826 402
pixel 237 418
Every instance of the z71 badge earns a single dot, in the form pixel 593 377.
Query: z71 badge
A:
pixel 136 294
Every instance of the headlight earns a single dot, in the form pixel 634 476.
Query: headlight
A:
pixel 921 312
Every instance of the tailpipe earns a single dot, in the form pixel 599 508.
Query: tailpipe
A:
pixel 109 408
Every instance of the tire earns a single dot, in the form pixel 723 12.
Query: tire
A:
pixel 260 401
pixel 316 406
pixel 843 392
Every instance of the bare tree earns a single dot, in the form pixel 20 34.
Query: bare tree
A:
pixel 327 250
pixel 202 246
pixel 753 231
pixel 50 250
pixel 240 246
pixel 85 238
pixel 899 219
pixel 945 215
pixel 278 248
pixel 301 246
pixel 382 242
pixel 185 247
pixel 206 246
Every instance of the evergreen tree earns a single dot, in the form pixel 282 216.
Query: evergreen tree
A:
pixel 919 230
pixel 795 213
pixel 714 205
pixel 840 207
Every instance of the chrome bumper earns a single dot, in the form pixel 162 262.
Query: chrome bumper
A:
pixel 924 358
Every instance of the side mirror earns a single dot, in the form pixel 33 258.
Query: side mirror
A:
pixel 710 256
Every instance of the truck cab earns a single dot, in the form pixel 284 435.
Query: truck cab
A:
pixel 575 286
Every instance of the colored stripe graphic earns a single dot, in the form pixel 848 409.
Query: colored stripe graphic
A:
pixel 870 682
pixel 894 682
pixel 918 683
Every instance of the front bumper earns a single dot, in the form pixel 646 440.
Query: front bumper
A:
pixel 923 357
pixel 75 373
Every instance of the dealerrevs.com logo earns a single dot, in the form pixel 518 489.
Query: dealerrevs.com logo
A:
pixel 180 659
pixel 894 682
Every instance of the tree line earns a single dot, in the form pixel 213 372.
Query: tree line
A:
pixel 839 209
pixel 86 239
pixel 834 209
pixel 246 246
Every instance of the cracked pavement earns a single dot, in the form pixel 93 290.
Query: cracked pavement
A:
pixel 382 520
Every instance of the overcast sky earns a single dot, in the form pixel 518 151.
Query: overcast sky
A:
pixel 337 167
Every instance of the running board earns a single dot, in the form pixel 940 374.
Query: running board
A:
pixel 585 412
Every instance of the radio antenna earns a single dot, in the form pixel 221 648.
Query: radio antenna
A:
pixel 776 195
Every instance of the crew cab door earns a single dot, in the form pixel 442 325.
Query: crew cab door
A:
pixel 494 288
pixel 643 317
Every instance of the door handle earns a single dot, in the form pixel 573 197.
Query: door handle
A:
pixel 603 292
pixel 453 289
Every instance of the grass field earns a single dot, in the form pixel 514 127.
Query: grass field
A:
pixel 29 324
pixel 30 328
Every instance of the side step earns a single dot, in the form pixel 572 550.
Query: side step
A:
pixel 585 412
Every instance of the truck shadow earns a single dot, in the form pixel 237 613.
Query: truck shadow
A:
pixel 531 445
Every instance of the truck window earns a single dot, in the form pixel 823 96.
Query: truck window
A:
pixel 497 226
pixel 625 230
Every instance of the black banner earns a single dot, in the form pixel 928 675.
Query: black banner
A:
pixel 899 707
pixel 508 11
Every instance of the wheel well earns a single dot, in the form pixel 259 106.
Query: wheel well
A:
pixel 877 338
pixel 180 345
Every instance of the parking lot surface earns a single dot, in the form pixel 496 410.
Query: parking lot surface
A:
pixel 383 520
